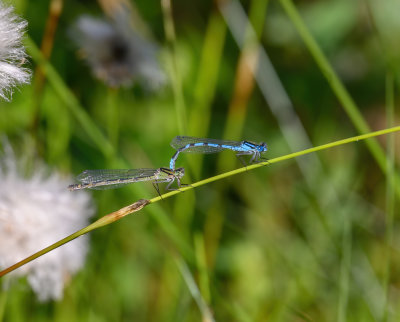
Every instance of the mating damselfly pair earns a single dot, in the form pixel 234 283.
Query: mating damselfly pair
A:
pixel 108 179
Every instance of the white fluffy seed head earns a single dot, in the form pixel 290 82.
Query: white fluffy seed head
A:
pixel 12 52
pixel 35 212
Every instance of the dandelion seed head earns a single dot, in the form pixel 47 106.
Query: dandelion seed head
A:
pixel 12 52
pixel 116 53
pixel 35 212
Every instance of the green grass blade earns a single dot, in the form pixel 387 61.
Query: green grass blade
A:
pixel 201 262
pixel 98 138
pixel 174 66
pixel 194 290
pixel 338 88
pixel 206 82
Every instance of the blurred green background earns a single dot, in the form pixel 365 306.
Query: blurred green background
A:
pixel 306 239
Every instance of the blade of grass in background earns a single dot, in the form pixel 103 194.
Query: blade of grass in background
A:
pixel 98 138
pixel 206 82
pixel 338 88
pixel 194 290
pixel 201 262
pixel 55 10
pixel 175 74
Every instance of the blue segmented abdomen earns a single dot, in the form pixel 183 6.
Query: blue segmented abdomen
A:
pixel 189 144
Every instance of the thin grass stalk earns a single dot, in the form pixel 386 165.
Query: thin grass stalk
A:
pixel 174 67
pixel 337 86
pixel 69 99
pixel 206 83
pixel 201 262
pixel 194 290
pixel 140 204
pixel 56 7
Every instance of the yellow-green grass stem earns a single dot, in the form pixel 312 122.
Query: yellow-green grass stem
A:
pixel 140 204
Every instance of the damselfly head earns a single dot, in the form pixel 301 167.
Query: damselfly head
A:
pixel 262 147
pixel 179 172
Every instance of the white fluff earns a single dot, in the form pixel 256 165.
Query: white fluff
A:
pixel 12 53
pixel 35 212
